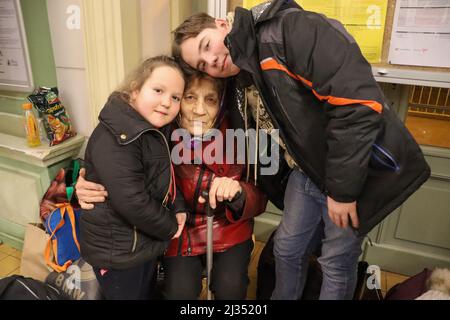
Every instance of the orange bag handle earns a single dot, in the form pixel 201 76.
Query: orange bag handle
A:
pixel 69 209
pixel 65 207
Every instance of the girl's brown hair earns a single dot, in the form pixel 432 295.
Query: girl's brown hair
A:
pixel 136 79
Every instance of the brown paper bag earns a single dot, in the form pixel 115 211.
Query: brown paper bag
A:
pixel 33 263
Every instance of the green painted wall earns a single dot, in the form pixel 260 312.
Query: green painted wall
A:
pixel 39 42
pixel 40 50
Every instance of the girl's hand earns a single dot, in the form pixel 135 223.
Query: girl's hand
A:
pixel 181 219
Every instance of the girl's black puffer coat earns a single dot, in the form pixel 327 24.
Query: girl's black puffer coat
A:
pixel 131 159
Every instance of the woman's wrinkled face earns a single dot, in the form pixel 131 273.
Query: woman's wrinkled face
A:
pixel 199 106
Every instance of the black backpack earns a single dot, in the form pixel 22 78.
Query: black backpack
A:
pixel 266 275
pixel 20 288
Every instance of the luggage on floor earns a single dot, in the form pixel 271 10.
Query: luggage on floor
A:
pixel 60 213
pixel 265 282
pixel 78 282
pixel 411 288
pixel 63 247
pixel 32 263
pixel 266 277
pixel 20 288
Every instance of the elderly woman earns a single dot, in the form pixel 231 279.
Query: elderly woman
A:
pixel 234 201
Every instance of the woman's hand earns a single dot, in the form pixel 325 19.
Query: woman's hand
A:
pixel 222 189
pixel 181 219
pixel 89 192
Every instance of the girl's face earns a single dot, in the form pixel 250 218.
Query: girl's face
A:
pixel 158 101
pixel 199 107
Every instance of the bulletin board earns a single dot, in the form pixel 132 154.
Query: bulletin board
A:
pixel 15 68
pixel 386 44
pixel 384 63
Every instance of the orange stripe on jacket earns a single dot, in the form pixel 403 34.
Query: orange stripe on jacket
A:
pixel 272 64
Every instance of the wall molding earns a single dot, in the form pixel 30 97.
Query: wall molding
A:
pixel 402 261
pixel 112 46
pixel 12 233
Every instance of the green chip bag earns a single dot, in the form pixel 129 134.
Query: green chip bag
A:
pixel 56 120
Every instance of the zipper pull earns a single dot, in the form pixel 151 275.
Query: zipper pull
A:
pixel 165 201
pixel 189 251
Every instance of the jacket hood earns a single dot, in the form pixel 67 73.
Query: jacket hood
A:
pixel 268 9
pixel 241 41
pixel 124 122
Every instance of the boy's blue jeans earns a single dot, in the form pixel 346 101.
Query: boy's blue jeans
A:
pixel 305 210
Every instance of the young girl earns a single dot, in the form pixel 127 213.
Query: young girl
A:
pixel 128 153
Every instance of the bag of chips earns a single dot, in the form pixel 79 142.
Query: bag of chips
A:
pixel 56 120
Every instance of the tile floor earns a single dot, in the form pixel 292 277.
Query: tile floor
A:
pixel 10 265
pixel 9 261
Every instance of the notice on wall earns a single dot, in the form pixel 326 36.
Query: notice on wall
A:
pixel 363 19
pixel 421 33
pixel 15 72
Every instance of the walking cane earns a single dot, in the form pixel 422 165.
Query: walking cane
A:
pixel 209 242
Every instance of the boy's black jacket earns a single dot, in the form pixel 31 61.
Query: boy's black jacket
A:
pixel 320 93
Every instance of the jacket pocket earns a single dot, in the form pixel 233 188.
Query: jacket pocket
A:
pixel 382 159
pixel 157 177
pixel 282 109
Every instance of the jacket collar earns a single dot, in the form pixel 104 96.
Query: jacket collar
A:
pixel 241 41
pixel 267 10
pixel 124 122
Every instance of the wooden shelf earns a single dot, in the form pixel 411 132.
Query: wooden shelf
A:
pixel 412 77
pixel 16 148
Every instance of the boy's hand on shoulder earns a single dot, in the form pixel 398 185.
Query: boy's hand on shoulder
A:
pixel 339 213
pixel 89 192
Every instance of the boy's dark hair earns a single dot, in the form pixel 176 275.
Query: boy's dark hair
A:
pixel 136 79
pixel 190 28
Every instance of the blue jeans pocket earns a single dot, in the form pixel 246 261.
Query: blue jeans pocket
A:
pixel 314 191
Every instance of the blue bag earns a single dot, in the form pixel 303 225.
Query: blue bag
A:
pixel 62 223
pixel 63 226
